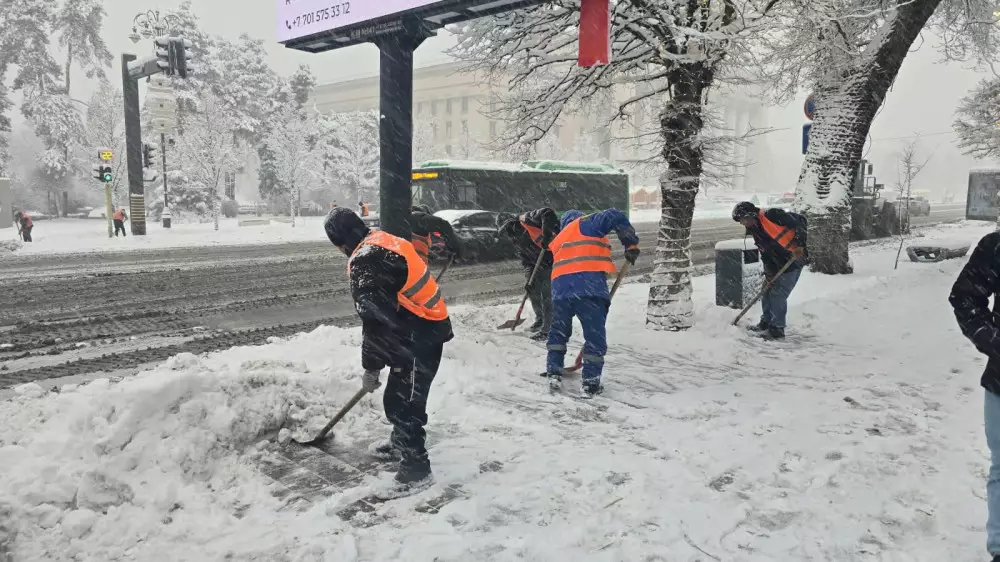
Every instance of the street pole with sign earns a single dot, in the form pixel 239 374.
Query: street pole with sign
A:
pixel 163 108
pixel 106 156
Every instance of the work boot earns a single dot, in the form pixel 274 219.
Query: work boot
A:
pixel 759 327
pixel 537 325
pixel 410 480
pixel 773 333
pixel 592 388
pixel 384 451
pixel 555 381
pixel 539 336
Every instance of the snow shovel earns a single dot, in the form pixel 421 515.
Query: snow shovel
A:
pixel 614 288
pixel 444 270
pixel 766 288
pixel 517 321
pixel 340 415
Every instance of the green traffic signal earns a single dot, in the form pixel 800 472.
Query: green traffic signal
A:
pixel 106 174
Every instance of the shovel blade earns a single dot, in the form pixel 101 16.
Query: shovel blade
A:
pixel 510 324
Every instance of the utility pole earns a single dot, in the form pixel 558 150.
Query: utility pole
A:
pixel 102 173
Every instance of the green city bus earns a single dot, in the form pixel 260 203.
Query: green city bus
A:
pixel 516 188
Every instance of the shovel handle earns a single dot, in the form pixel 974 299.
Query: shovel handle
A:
pixel 534 273
pixel 767 287
pixel 343 412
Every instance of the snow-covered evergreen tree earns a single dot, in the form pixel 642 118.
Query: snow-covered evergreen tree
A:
pixel 977 121
pixel 671 51
pixel 78 24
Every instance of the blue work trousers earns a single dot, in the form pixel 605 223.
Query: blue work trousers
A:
pixel 593 314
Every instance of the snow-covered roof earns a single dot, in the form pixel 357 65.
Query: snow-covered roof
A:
pixel 452 215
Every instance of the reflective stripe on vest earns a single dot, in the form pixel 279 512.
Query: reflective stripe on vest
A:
pixel 573 252
pixel 533 231
pixel 779 234
pixel 422 244
pixel 421 294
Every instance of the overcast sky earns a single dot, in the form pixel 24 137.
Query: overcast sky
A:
pixel 922 101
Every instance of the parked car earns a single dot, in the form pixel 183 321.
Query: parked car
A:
pixel 478 232
pixel 920 206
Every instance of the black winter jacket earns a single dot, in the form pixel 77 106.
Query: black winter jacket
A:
pixel 543 218
pixel 423 224
pixel 970 297
pixel 773 255
pixel 390 331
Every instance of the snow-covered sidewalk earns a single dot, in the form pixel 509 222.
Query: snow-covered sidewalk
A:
pixel 858 438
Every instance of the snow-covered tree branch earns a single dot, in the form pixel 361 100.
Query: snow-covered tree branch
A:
pixel 297 155
pixel 977 121
pixel 351 151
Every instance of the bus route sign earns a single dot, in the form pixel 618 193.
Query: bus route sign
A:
pixel 105 155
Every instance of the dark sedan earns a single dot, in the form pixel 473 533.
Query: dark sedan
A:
pixel 478 232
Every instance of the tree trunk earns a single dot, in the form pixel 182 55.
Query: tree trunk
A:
pixel 670 306
pixel 291 204
pixel 846 105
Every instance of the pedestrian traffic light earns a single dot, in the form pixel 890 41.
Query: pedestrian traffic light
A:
pixel 102 173
pixel 148 155
pixel 164 50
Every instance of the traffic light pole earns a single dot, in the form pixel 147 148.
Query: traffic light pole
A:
pixel 133 149
pixel 107 209
pixel 163 156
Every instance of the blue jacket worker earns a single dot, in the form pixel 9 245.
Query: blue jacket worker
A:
pixel 581 265
pixel 780 236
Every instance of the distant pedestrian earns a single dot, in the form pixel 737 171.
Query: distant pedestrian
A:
pixel 25 225
pixel 363 209
pixel 531 233
pixel 120 217
pixel 780 236
pixel 970 297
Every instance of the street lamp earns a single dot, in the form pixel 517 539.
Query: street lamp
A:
pixel 151 24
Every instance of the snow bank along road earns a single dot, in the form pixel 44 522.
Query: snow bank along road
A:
pixel 77 314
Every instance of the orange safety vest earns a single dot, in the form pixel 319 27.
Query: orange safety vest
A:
pixel 533 231
pixel 572 252
pixel 26 219
pixel 364 210
pixel 421 294
pixel 422 244
pixel 779 234
pixel 119 215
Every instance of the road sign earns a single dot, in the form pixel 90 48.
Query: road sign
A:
pixel 810 106
pixel 323 25
pixel 105 155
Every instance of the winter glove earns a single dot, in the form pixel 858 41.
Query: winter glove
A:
pixel 631 255
pixel 370 381
pixel 797 251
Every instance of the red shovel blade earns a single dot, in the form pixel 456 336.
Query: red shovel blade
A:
pixel 510 324
pixel 576 366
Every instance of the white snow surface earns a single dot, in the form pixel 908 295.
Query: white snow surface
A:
pixel 858 439
pixel 67 236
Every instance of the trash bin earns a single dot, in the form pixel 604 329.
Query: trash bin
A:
pixel 739 273
pixel 166 218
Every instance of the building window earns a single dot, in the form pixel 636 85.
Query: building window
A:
pixel 447 106
pixel 447 149
pixel 434 107
pixel 447 130
pixel 465 127
pixel 493 130
pixel 465 104
pixel 434 132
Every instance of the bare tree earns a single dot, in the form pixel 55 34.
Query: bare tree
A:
pixel 667 53
pixel 907 169
pixel 848 52
pixel 294 142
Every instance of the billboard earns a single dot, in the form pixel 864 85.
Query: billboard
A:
pixel 322 25
pixel 983 200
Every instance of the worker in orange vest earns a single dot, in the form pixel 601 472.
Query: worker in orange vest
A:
pixel 581 255
pixel 780 236
pixel 405 325
pixel 424 225
pixel 25 223
pixel 531 234
pixel 363 208
pixel 119 217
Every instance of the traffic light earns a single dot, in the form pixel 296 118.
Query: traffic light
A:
pixel 102 173
pixel 164 50
pixel 181 56
pixel 148 155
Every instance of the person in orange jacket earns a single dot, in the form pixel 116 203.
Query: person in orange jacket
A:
pixel 404 325
pixel 25 223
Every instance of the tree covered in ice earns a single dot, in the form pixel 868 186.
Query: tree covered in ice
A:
pixel 977 121
pixel 293 93
pixel 848 53
pixel 351 151
pixel 298 156
pixel 105 128
pixel 208 147
pixel 78 24
pixel 669 53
